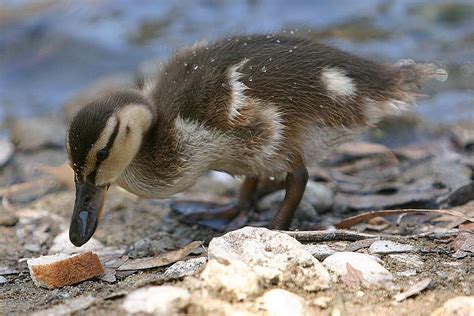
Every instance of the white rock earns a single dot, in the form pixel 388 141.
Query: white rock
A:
pixel 185 267
pixel 320 252
pixel 159 300
pixel 319 195
pixel 458 306
pixel 387 246
pixel 368 265
pixel 6 151
pixel 3 280
pixel 62 244
pixel 236 279
pixel 278 302
pixel 272 255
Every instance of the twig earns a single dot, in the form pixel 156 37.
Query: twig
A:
pixel 354 220
pixel 328 235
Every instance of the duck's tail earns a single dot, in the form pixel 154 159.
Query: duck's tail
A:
pixel 410 75
pixel 408 78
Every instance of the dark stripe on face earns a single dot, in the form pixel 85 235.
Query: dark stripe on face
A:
pixel 103 154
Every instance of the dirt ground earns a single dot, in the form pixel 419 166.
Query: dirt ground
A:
pixel 369 177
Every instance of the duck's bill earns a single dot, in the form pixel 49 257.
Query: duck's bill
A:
pixel 87 209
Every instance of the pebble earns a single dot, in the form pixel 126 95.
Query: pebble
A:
pixel 6 151
pixel 7 218
pixel 157 300
pixel 278 302
pixel 319 195
pixel 386 246
pixel 458 306
pixel 47 131
pixel 272 255
pixel 185 268
pixel 236 279
pixel 320 252
pixel 372 271
pixel 3 280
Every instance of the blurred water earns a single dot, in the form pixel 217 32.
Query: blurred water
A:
pixel 49 50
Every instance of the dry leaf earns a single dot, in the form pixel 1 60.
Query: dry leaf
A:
pixel 464 241
pixel 163 259
pixel 413 290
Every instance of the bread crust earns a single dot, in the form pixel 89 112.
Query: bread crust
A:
pixel 67 271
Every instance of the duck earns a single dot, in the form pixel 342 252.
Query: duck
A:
pixel 254 106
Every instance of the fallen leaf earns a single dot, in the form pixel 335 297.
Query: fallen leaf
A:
pixel 360 244
pixel 464 241
pixel 160 260
pixel 413 290
pixel 354 150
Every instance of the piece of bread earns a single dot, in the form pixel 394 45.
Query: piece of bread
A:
pixel 61 269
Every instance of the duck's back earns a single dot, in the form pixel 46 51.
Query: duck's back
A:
pixel 280 96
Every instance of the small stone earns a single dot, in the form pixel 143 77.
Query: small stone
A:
pixel 280 302
pixel 236 279
pixel 319 195
pixel 272 255
pixel 7 218
pixel 458 306
pixel 387 246
pixel 3 280
pixel 47 131
pixel 158 300
pixel 6 151
pixel 322 302
pixel 185 268
pixel 368 265
pixel 320 252
pixel 4 270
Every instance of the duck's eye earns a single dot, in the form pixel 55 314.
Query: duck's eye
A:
pixel 102 154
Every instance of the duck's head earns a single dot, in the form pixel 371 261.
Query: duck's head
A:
pixel 103 138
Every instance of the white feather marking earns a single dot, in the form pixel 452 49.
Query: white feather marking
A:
pixel 374 111
pixel 239 100
pixel 338 83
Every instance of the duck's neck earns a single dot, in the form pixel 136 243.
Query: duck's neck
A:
pixel 172 158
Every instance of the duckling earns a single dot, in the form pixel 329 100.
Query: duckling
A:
pixel 253 106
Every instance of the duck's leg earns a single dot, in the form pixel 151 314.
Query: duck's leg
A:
pixel 295 187
pixel 238 213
